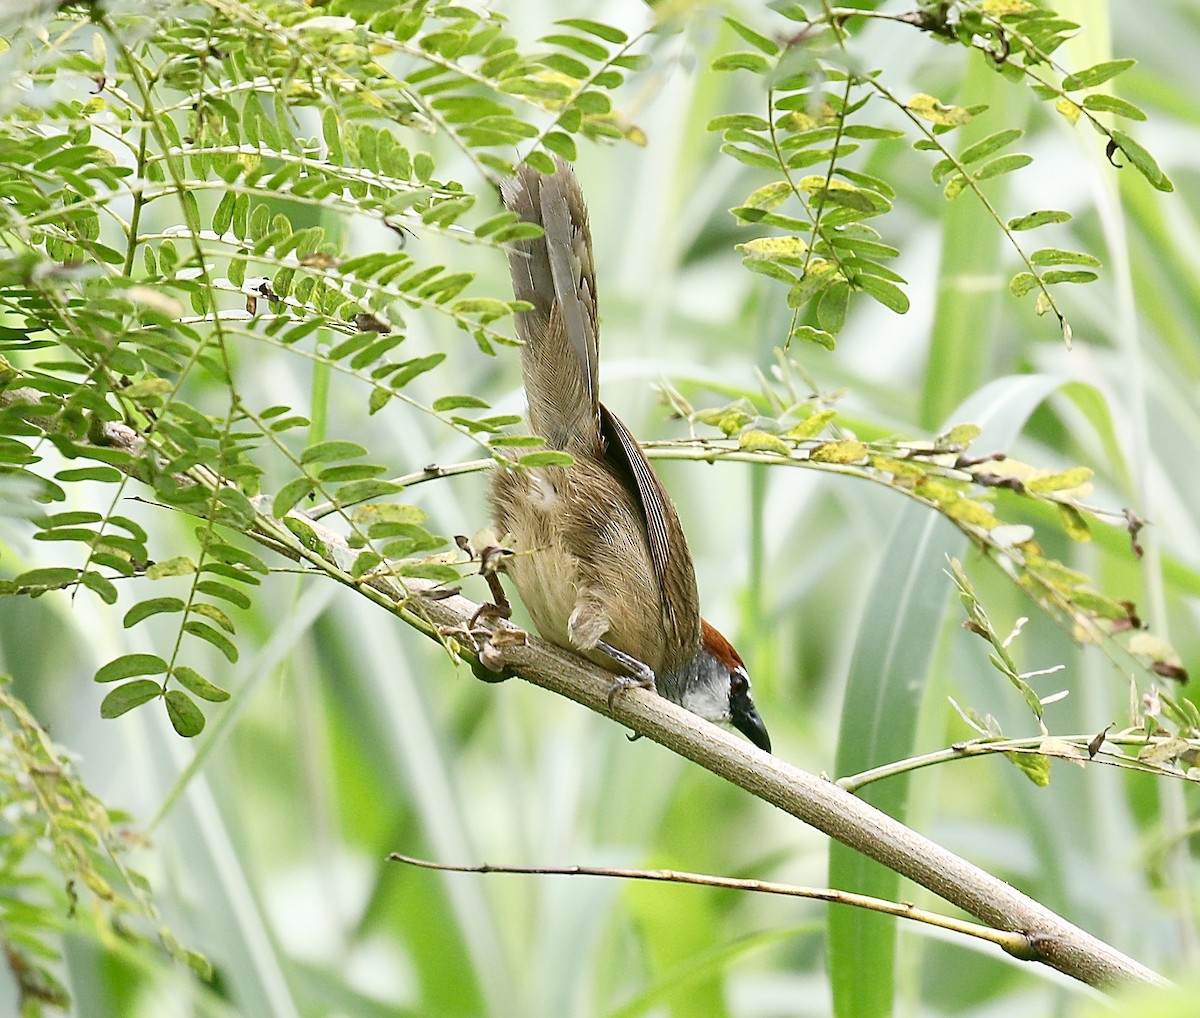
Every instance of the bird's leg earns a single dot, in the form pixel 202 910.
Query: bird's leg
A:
pixel 639 674
pixel 586 627
pixel 499 606
pixel 480 631
pixel 491 564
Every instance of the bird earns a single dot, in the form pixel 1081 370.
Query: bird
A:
pixel 600 559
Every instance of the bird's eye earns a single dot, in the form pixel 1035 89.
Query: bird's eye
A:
pixel 739 685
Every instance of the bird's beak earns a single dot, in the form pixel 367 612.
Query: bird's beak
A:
pixel 744 716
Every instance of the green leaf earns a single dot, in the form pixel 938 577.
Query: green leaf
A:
pixel 985 147
pixel 131 664
pixel 759 160
pixel 584 47
pixel 223 216
pixel 331 450
pixel 1073 523
pixel 206 632
pixel 1036 219
pixel 1035 766
pixel 429 571
pixel 831 308
pixel 1098 74
pixel 127 696
pixel 888 294
pixel 50 577
pixel 755 62
pixel 562 145
pixel 290 495
pixel 1068 276
pixel 459 402
pixel 1057 256
pixel 840 192
pixel 229 553
pixel 1143 160
pixel 192 680
pixel 211 611
pixel 807 334
pixel 871 133
pixel 759 42
pixel 565 65
pixel 819 275
pixel 154 606
pixel 185 716
pixel 215 588
pixel 378 399
pixel 812 425
pixel 411 369
pixel 546 458
pixel 1111 104
pixel 601 31
pixel 1003 164
pixel 108 475
pixel 738 121
pixel 360 491
pixel 1022 283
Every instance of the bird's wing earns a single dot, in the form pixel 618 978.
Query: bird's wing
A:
pixel 668 546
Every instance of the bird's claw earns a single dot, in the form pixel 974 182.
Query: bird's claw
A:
pixel 637 673
pixel 642 678
pixel 487 644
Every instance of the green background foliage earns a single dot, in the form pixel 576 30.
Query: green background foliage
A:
pixel 252 264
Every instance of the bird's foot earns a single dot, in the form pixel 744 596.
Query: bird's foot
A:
pixel 491 564
pixel 487 643
pixel 638 674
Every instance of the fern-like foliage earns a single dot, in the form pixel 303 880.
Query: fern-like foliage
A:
pixel 991 498
pixel 179 185
pixel 820 109
pixel 49 813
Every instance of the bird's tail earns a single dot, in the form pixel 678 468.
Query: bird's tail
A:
pixel 555 274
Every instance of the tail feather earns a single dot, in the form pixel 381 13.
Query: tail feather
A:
pixel 555 274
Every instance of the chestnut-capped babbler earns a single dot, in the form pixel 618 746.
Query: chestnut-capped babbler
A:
pixel 601 563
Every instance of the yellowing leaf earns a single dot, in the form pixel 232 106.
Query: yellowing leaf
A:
pixel 762 441
pixel 729 419
pixel 929 108
pixel 785 249
pixel 1076 477
pixel 1033 765
pixel 812 426
pixel 845 451
pixel 1068 109
pixel 837 191
pixel 962 434
pixel 998 8
pixel 769 196
pixel 1073 523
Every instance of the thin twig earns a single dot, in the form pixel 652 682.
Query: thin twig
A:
pixel 1016 944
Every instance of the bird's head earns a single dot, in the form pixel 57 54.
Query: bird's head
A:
pixel 717 688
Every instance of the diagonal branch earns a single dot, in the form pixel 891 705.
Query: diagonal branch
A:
pixel 817 801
